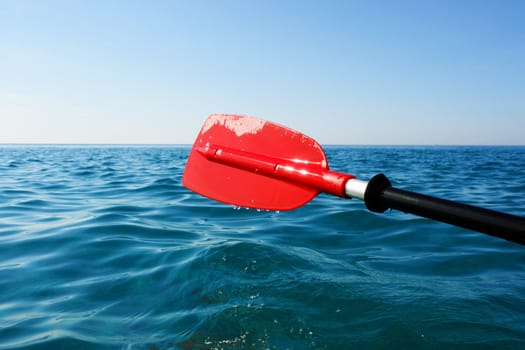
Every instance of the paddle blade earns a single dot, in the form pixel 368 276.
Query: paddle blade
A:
pixel 250 189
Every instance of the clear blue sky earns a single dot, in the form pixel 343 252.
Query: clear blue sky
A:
pixel 346 72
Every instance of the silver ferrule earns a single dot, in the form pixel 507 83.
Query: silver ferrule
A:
pixel 355 188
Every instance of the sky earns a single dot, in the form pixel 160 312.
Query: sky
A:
pixel 343 72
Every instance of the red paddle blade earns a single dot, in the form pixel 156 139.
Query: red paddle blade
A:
pixel 253 163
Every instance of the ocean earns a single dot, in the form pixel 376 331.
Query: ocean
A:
pixel 101 247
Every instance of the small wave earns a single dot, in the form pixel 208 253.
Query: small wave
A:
pixel 38 203
pixel 123 209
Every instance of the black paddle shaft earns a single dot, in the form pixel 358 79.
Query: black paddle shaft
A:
pixel 380 196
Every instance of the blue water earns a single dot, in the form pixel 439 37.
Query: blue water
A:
pixel 102 248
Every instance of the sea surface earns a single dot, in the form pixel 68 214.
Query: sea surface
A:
pixel 101 247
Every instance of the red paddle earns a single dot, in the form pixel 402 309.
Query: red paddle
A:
pixel 254 163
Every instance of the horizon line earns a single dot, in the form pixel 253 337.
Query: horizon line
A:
pixel 2 144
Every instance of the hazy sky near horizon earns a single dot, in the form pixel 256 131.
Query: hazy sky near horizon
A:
pixel 343 72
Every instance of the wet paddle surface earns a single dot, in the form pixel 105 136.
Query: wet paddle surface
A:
pixel 102 247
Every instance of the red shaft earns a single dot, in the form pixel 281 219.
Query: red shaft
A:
pixel 312 175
